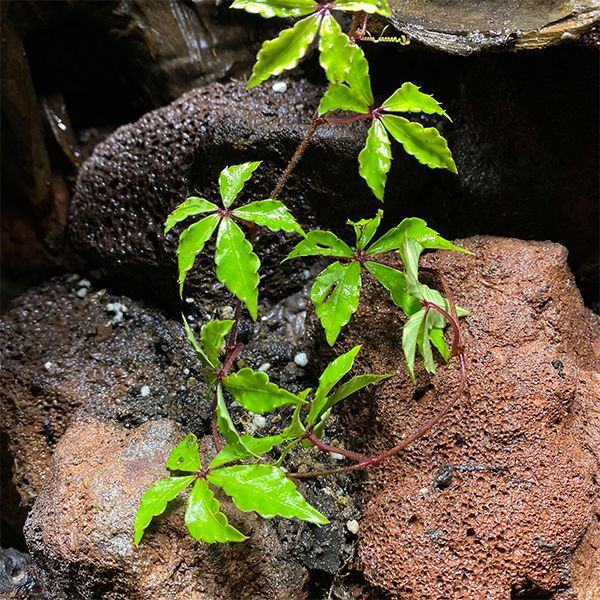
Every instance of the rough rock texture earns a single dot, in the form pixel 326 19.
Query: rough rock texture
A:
pixel 20 577
pixel 83 521
pixel 62 354
pixel 476 25
pixel 496 500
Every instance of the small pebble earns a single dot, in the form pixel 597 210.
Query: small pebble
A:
pixel 264 367
pixel 186 371
pixel 145 391
pixel 48 366
pixel 352 526
pixel 336 456
pixel 279 87
pixel 227 312
pixel 424 491
pixel 259 421
pixel 190 318
pixel 190 300
pixel 301 359
pixel 82 292
pixel 85 283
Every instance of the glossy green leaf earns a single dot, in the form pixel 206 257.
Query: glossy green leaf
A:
pixel 192 242
pixel 254 391
pixel 266 490
pixel 155 500
pixel 232 180
pixel 212 337
pixel 285 51
pixel 408 98
pixel 424 143
pixel 335 51
pixel 272 214
pixel 410 335
pixel 365 229
pixel 237 265
pixel 352 386
pixel 335 294
pixel 204 519
pixel 357 76
pixel 332 374
pixel 369 6
pixel 251 447
pixel 436 335
pixel 341 97
pixel 276 8
pixel 196 344
pixel 424 344
pixel 184 456
pixel 321 243
pixel 296 428
pixel 224 422
pixel 394 282
pixel 192 206
pixel 410 251
pixel 375 159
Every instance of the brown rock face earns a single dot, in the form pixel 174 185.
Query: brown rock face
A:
pixel 495 501
pixel 83 521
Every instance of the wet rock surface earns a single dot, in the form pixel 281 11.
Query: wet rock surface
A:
pixel 495 500
pixel 20 577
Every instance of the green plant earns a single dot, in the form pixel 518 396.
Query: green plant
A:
pixel 245 467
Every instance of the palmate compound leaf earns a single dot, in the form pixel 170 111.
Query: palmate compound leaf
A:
pixel 184 456
pixel 332 374
pixel 155 500
pixel 321 243
pixel 237 265
pixel 212 337
pixel 254 391
pixel 192 206
pixel 272 214
pixel 205 521
pixel 192 242
pixel 285 51
pixel 424 143
pixel 375 159
pixel 335 294
pixel 408 98
pixel 266 490
pixel 251 447
pixel 276 8
pixel 232 180
pixel 365 229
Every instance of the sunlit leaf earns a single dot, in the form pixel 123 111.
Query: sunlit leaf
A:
pixel 352 386
pixel 272 214
pixel 224 422
pixel 424 143
pixel 410 335
pixel 296 428
pixel 357 76
pixel 424 344
pixel 196 344
pixel 212 337
pixel 266 490
pixel 285 51
pixel 375 159
pixel 276 8
pixel 335 50
pixel 369 6
pixel 394 281
pixel 321 243
pixel 408 98
pixel 250 448
pixel 192 242
pixel 341 97
pixel 155 500
pixel 254 391
pixel 365 229
pixel 237 265
pixel 192 206
pixel 184 456
pixel 232 180
pixel 205 521
pixel 335 294
pixel 436 335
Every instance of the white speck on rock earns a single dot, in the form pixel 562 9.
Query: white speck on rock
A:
pixel 190 318
pixel 190 300
pixel 82 292
pixel 259 421
pixel 301 359
pixel 424 491
pixel 336 456
pixel 279 87
pixel 264 367
pixel 145 391
pixel 186 371
pixel 227 312
pixel 85 283
pixel 48 366
pixel 352 526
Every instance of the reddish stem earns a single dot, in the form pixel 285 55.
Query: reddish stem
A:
pixel 311 437
pixel 215 430
pixel 350 119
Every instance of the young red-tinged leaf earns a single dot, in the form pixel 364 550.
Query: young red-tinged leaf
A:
pixel 340 97
pixel 375 159
pixel 205 521
pixel 196 344
pixel 369 6
pixel 285 51
pixel 232 180
pixel 192 206
pixel 251 447
pixel 224 422
pixel 365 229
pixel 237 265
pixel 276 8
pixel 272 214
pixel 155 500
pixel 333 373
pixel 192 242
pixel 266 490
pixel 254 391
pixel 408 98
pixel 424 143
pixel 184 456
pixel 410 335
pixel 394 282
pixel 352 386
pixel 335 294
pixel 212 337
pixel 436 335
pixel 321 243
